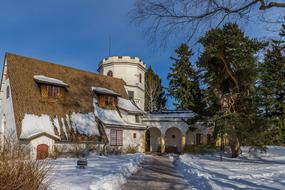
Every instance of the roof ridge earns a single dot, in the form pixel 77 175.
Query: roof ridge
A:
pixel 52 63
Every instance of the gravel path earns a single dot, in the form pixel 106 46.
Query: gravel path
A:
pixel 157 173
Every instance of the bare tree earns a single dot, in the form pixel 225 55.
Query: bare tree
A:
pixel 154 93
pixel 191 18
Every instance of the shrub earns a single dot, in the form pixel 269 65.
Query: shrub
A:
pixel 131 150
pixel 24 175
pixel 16 172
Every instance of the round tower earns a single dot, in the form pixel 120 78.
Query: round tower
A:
pixel 131 70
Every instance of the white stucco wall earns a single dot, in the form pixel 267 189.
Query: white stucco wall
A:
pixel 128 138
pixel 164 125
pixel 7 113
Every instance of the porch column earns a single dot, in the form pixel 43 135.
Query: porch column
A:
pixel 183 142
pixel 162 143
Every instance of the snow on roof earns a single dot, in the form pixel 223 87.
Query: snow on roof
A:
pixel 34 125
pixel 84 123
pixel 128 105
pixel 110 117
pixel 49 80
pixel 170 115
pixel 101 90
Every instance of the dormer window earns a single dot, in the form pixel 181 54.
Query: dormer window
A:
pixel 110 73
pixel 109 100
pixel 53 91
pixel 51 87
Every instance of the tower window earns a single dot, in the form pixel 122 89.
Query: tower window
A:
pixel 7 92
pixel 110 73
pixel 140 78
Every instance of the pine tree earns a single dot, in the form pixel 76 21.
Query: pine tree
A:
pixel 155 99
pixel 271 90
pixel 184 82
pixel 230 70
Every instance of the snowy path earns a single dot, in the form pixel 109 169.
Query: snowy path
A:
pixel 157 172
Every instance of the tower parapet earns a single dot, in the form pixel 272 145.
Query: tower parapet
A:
pixel 131 70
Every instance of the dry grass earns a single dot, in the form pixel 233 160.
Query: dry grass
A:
pixel 18 173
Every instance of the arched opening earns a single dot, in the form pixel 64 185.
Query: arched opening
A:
pixel 190 136
pixel 110 73
pixel 152 140
pixel 173 139
pixel 42 151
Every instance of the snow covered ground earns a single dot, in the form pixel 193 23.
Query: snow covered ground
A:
pixel 267 171
pixel 102 172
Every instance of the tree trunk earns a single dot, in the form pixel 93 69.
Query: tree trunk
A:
pixel 226 102
pixel 234 141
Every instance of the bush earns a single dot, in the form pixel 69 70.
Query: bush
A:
pixel 24 175
pixel 131 150
pixel 16 172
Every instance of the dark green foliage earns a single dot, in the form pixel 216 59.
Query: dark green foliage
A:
pixel 271 90
pixel 230 69
pixel 184 82
pixel 155 99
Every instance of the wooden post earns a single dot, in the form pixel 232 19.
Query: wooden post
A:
pixel 162 143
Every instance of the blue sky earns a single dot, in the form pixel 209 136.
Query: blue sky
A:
pixel 76 33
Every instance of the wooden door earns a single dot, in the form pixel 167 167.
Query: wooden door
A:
pixel 42 151
pixel 147 141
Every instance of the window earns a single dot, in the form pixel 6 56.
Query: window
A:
pixel 140 78
pixel 108 100
pixel 208 139
pixel 198 138
pixel 116 137
pixel 137 119
pixel 134 135
pixel 53 91
pixel 131 95
pixel 7 92
pixel 110 73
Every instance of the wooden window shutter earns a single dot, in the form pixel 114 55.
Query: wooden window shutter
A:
pixel 113 137
pixel 119 137
pixel 116 137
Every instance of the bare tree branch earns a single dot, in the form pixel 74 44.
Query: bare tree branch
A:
pixel 190 18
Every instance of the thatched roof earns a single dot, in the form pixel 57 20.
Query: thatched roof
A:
pixel 78 98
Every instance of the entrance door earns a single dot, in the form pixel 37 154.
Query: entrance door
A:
pixel 147 141
pixel 42 151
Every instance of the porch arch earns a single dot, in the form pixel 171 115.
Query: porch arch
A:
pixel 152 140
pixel 173 140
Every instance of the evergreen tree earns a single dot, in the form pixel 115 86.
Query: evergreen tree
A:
pixel 184 82
pixel 230 70
pixel 272 89
pixel 155 99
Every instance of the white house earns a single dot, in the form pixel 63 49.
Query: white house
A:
pixel 49 106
